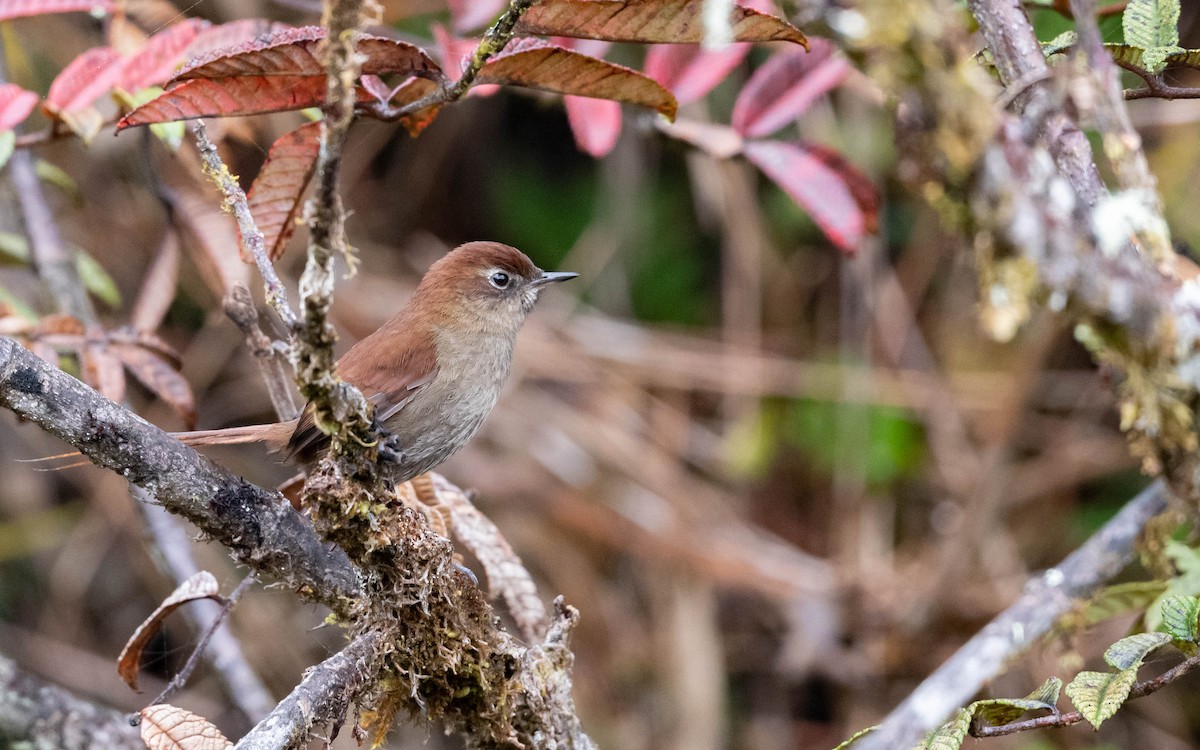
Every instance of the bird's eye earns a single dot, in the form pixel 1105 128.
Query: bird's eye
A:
pixel 500 279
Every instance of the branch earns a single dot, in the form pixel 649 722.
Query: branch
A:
pixel 1139 690
pixel 323 697
pixel 270 355
pixel 259 528
pixel 36 714
pixel 1046 598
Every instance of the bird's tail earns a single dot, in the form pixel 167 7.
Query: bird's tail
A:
pixel 275 436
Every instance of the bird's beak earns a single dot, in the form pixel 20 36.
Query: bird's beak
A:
pixel 552 277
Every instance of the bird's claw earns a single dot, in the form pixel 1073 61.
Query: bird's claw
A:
pixel 389 450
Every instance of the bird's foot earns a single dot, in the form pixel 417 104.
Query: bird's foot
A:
pixel 389 450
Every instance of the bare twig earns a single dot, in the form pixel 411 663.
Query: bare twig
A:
pixel 252 238
pixel 322 697
pixel 1045 599
pixel 271 356
pixel 1139 690
pixel 214 627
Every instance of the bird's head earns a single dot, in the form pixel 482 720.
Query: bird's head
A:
pixel 487 282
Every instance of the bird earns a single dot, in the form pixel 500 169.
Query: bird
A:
pixel 433 371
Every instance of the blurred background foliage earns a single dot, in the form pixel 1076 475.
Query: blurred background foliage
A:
pixel 781 483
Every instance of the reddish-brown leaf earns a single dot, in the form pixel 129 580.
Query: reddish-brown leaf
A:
pixel 156 62
pixel 690 71
pixel 15 105
pixel 158 285
pixel 293 52
pixel 10 9
pixel 200 586
pixel 214 233
pixel 819 190
pixel 662 21
pixel 59 323
pixel 455 52
pixel 540 65
pixel 166 727
pixel 227 36
pixel 102 370
pixel 784 87
pixel 861 188
pixel 469 15
pixel 45 351
pixel 275 197
pixel 595 123
pixel 230 96
pixel 410 91
pixel 88 77
pixel 160 378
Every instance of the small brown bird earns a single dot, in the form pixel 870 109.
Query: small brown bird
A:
pixel 435 370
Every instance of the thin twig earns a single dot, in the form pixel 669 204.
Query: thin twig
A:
pixel 181 678
pixel 270 355
pixel 252 238
pixel 1139 690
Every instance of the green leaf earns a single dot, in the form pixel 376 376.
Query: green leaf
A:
pixel 96 279
pixel 1179 617
pixel 1060 43
pixel 1000 711
pixel 1155 58
pixel 12 302
pixel 1129 652
pixel 14 249
pixel 170 133
pixel 950 735
pixel 1119 599
pixel 1151 24
pixel 52 174
pixel 8 142
pixel 1187 561
pixel 1098 695
pixel 856 737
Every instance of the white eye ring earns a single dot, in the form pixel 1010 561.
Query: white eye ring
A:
pixel 499 279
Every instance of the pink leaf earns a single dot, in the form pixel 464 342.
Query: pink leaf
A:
pixel 689 71
pixel 15 105
pixel 783 88
pixel 454 53
pixel 21 8
pixel 810 182
pixel 595 123
pixel 156 63
pixel 469 15
pixel 84 80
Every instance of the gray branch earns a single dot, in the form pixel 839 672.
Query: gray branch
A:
pixel 260 529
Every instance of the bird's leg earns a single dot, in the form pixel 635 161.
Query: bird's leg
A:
pixel 390 450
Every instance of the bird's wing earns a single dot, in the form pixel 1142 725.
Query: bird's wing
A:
pixel 389 383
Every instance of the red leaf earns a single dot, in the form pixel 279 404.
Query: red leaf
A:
pixel 410 91
pixel 535 63
pixel 861 188
pixel 276 194
pixel 783 88
pixel 231 96
pixel 294 51
pixel 469 15
pixel 595 123
pixel 84 80
pixel 21 8
pixel 690 71
pixel 819 190
pixel 156 62
pixel 667 21
pixel 226 36
pixel 15 105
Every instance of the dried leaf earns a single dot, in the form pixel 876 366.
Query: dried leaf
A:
pixel 784 87
pixel 410 91
pixel 10 9
pixel 15 105
pixel 156 62
pixel 200 586
pixel 690 71
pixel 165 727
pixel 595 123
pixel 160 378
pixel 819 190
pixel 158 285
pixel 665 21
pixel 103 371
pixel 59 323
pixel 275 197
pixel 88 77
pixel 534 63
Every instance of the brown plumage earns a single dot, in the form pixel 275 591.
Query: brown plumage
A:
pixel 435 370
